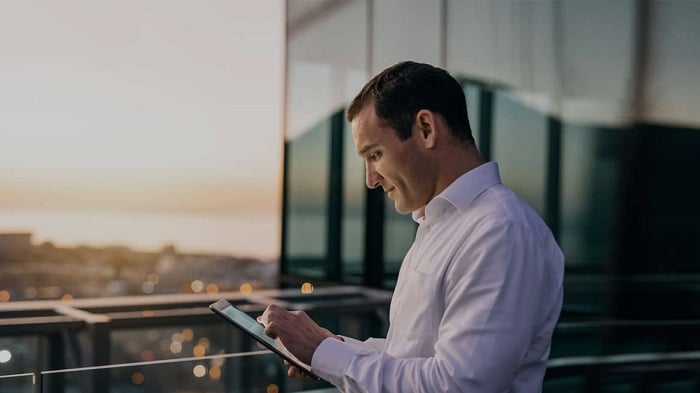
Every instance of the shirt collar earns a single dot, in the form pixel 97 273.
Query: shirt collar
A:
pixel 461 192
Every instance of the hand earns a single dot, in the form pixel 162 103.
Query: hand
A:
pixel 299 334
pixel 294 372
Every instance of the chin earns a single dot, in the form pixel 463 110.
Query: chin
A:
pixel 401 209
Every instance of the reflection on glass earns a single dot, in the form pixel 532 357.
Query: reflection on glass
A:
pixel 399 233
pixel 20 355
pixel 260 371
pixel 17 383
pixel 353 219
pixel 307 199
pixel 472 92
pixel 590 164
pixel 519 145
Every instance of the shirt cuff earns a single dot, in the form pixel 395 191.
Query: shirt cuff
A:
pixel 352 341
pixel 330 360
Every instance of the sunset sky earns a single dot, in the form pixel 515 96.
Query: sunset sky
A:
pixel 128 106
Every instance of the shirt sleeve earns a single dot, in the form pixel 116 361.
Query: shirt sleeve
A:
pixel 370 343
pixel 497 293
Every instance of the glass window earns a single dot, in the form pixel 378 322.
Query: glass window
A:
pixel 399 233
pixel 307 201
pixel 519 145
pixel 353 220
pixel 590 166
pixel 472 92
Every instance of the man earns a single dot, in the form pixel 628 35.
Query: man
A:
pixel 480 290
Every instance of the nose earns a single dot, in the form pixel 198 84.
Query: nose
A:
pixel 372 177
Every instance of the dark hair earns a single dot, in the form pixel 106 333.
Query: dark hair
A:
pixel 400 91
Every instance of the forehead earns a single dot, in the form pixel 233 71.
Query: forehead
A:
pixel 368 131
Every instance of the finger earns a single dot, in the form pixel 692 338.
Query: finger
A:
pixel 294 372
pixel 260 320
pixel 271 330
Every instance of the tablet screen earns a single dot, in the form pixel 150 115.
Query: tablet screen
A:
pixel 255 329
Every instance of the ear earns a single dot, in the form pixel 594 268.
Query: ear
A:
pixel 426 125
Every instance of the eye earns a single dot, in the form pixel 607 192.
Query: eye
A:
pixel 375 156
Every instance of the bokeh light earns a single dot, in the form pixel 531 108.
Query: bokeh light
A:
pixel 199 371
pixel 187 335
pixel 5 356
pixel 147 355
pixel 307 288
pixel 197 286
pixel 215 372
pixel 199 350
pixel 153 278
pixel 246 289
pixel 204 342
pixel 175 347
pixel 137 378
pixel 273 388
pixel 147 287
pixel 4 296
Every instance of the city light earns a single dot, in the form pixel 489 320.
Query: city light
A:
pixel 197 286
pixel 217 362
pixel 153 278
pixel 199 350
pixel 204 342
pixel 148 287
pixel 4 296
pixel 187 334
pixel 5 356
pixel 212 289
pixel 215 372
pixel 246 289
pixel 307 288
pixel 137 378
pixel 273 388
pixel 199 371
pixel 67 298
pixel 147 355
pixel 175 347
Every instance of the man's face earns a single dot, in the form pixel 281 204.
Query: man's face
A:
pixel 395 165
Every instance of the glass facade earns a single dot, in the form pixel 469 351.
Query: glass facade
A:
pixel 307 202
pixel 354 211
pixel 519 145
pixel 585 106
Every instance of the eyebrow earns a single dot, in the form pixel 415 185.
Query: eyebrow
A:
pixel 367 148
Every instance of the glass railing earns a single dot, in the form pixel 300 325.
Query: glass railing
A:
pixel 175 344
pixel 247 372
pixel 18 383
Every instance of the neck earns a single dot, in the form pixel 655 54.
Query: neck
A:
pixel 456 163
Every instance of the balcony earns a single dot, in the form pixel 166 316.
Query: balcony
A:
pixel 166 343
pixel 173 343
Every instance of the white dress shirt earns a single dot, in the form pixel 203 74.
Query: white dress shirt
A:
pixel 475 304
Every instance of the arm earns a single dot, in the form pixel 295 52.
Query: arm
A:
pixel 498 292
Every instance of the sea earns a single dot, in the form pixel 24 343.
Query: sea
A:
pixel 246 234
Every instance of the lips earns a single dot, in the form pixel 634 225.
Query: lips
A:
pixel 388 192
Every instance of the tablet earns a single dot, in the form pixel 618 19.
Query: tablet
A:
pixel 256 330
